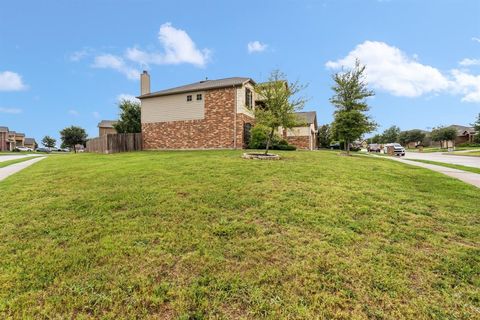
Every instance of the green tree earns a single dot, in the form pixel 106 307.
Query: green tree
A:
pixel 415 135
pixel 130 117
pixel 72 136
pixel 49 142
pixel 350 94
pixel 378 138
pixel 390 135
pixel 476 126
pixel 324 136
pixel 441 134
pixel 280 102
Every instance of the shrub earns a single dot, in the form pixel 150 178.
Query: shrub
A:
pixel 258 140
pixel 469 144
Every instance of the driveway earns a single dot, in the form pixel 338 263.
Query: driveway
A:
pixel 8 157
pixel 447 158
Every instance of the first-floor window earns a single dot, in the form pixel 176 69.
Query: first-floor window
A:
pixel 199 96
pixel 189 97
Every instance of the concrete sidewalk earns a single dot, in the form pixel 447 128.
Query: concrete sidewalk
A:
pixel 16 167
pixel 468 177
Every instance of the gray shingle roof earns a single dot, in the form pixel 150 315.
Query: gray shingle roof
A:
pixel 308 117
pixel 462 129
pixel 106 123
pixel 19 134
pixel 3 129
pixel 198 86
pixel 29 141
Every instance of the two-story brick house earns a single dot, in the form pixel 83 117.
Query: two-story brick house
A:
pixel 210 114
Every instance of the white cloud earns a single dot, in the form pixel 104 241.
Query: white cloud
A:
pixel 10 110
pixel 469 62
pixel 73 112
pixel 391 70
pixel 96 115
pixel 178 48
pixel 110 61
pixel 79 55
pixel 256 46
pixel 468 85
pixel 476 39
pixel 11 81
pixel 127 97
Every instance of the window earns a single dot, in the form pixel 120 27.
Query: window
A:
pixel 189 97
pixel 248 98
pixel 199 96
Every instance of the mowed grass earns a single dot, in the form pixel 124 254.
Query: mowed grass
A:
pixel 206 234
pixel 470 153
pixel 13 161
pixel 449 165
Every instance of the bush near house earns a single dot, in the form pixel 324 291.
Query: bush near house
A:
pixel 259 136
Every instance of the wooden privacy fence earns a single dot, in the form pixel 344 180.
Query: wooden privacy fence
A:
pixel 113 143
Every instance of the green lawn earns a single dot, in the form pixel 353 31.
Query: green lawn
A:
pixel 437 149
pixel 471 153
pixel 449 165
pixel 9 162
pixel 206 234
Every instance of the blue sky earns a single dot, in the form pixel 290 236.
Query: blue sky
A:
pixel 68 62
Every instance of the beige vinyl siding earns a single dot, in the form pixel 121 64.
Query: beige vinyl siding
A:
pixel 173 107
pixel 298 132
pixel 241 107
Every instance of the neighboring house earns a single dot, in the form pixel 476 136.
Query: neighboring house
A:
pixel 465 134
pixel 106 127
pixel 304 135
pixel 30 143
pixel 209 114
pixel 15 139
pixel 4 142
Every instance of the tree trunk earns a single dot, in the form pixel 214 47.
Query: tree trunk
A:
pixel 348 147
pixel 270 136
pixel 74 149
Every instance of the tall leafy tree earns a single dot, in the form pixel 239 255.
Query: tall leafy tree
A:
pixel 280 101
pixel 72 136
pixel 49 142
pixel 476 126
pixel 350 100
pixel 415 135
pixel 441 134
pixel 324 136
pixel 391 134
pixel 130 117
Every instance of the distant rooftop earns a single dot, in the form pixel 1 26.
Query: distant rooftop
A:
pixel 308 117
pixel 3 129
pixel 201 85
pixel 106 123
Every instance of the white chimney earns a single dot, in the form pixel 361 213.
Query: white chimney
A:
pixel 144 83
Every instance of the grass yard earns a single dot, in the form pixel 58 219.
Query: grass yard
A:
pixel 471 153
pixel 449 165
pixel 206 234
pixel 13 161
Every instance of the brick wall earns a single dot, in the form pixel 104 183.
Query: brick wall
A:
pixel 3 141
pixel 215 131
pixel 301 142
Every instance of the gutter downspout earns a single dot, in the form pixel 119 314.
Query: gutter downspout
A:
pixel 235 118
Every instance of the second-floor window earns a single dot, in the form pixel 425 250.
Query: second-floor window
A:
pixel 189 97
pixel 248 98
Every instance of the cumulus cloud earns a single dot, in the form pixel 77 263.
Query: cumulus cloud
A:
pixel 79 55
pixel 110 61
pixel 10 110
pixel 73 112
pixel 127 97
pixel 256 46
pixel 11 81
pixel 178 48
pixel 391 70
pixel 476 39
pixel 468 85
pixel 469 62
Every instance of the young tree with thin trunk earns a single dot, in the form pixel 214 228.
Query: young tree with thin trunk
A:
pixel 48 142
pixel 279 104
pixel 324 136
pixel 476 126
pixel 349 98
pixel 72 136
pixel 444 134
